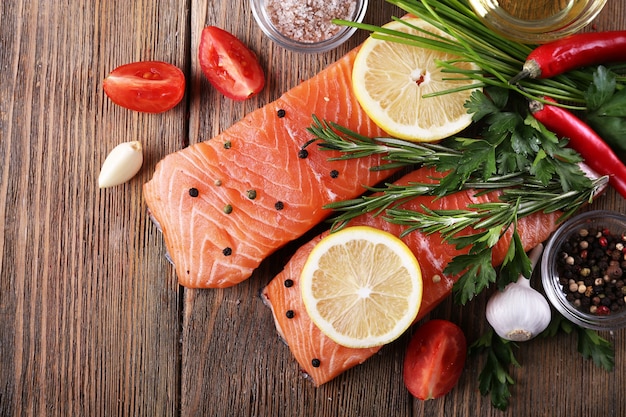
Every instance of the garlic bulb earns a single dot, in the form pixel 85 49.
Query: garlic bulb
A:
pixel 519 312
pixel 121 164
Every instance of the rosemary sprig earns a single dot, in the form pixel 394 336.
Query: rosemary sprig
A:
pixel 395 152
pixel 516 201
pixel 392 195
pixel 488 223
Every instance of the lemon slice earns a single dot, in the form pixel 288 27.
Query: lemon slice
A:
pixel 390 78
pixel 361 286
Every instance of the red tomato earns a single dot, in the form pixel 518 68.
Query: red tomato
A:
pixel 229 65
pixel 147 86
pixel 435 359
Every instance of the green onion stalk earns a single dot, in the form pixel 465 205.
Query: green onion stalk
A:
pixel 498 58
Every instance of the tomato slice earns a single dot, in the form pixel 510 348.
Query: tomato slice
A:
pixel 435 359
pixel 229 65
pixel 146 86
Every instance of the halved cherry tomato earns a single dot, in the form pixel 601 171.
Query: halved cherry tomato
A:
pixel 146 86
pixel 229 65
pixel 435 359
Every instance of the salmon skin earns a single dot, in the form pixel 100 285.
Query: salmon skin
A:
pixel 226 204
pixel 320 358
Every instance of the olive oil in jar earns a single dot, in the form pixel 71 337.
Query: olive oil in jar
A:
pixel 537 21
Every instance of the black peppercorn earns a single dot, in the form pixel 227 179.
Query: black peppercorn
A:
pixel 279 205
pixel 194 192
pixel 288 283
pixel 303 154
pixel 227 251
pixel 614 271
pixel 316 363
pixel 334 173
pixel 290 314
pixel 590 271
pixel 281 113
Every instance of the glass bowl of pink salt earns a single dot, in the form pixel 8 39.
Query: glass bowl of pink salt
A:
pixel 306 25
pixel 583 270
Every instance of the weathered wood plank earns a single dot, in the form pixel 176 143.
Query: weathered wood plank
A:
pixel 89 312
pixel 92 321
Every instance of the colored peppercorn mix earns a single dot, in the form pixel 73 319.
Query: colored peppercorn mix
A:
pixel 590 267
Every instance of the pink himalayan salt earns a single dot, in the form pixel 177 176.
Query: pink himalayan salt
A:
pixel 309 21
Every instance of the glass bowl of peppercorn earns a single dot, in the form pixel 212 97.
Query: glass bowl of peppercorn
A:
pixel 306 26
pixel 583 270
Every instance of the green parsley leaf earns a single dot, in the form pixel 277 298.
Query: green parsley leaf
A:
pixel 601 89
pixel 477 273
pixel 606 109
pixel 592 345
pixel 478 157
pixel 479 106
pixel 516 262
pixel 494 379
pixel 543 168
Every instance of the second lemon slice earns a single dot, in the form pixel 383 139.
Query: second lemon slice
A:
pixel 389 80
pixel 361 286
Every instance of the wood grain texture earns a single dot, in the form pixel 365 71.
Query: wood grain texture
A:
pixel 83 331
pixel 92 320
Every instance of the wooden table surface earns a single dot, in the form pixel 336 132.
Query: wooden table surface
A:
pixel 92 320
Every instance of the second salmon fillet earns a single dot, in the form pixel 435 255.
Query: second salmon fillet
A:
pixel 320 358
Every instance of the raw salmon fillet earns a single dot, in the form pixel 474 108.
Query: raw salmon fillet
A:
pixel 225 204
pixel 319 357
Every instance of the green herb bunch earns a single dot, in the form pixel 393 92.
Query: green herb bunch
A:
pixel 606 109
pixel 509 151
pixel 532 168
pixel 498 58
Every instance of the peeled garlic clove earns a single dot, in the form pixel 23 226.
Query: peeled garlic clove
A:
pixel 122 163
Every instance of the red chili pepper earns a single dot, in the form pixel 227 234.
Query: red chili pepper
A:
pixel 598 155
pixel 575 51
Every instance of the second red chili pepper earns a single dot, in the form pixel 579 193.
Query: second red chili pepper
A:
pixel 598 155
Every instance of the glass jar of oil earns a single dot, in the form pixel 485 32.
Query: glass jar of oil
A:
pixel 536 21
